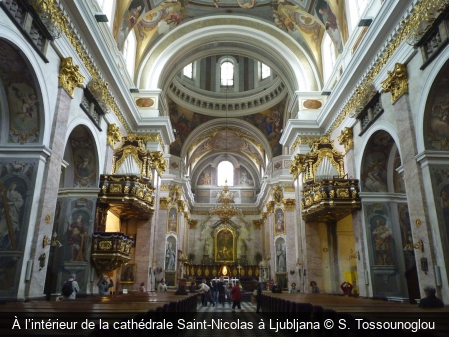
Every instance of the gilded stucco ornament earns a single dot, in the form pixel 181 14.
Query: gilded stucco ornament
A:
pixel 114 135
pixel 158 162
pixel 100 91
pixel 396 82
pixel 297 165
pixel 411 28
pixel 346 138
pixel 289 204
pixel 69 76
pixel 192 223
pixel 163 203
pixel 257 224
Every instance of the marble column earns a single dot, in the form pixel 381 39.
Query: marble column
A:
pixel 359 238
pixel 49 194
pixel 142 253
pixel 415 191
pixel 312 256
pixel 290 240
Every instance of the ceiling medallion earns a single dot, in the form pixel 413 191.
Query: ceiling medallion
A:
pixel 225 211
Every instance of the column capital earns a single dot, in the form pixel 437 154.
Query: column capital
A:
pixel 114 135
pixel 397 82
pixel 69 76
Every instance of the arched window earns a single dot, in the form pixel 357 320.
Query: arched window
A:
pixel 356 9
pixel 129 52
pixel 227 73
pixel 328 52
pixel 188 70
pixel 265 71
pixel 225 173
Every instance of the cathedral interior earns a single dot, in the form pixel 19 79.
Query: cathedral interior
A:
pixel 267 141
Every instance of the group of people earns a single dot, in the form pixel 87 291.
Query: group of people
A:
pixel 276 288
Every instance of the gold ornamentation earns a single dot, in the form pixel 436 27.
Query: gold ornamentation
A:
pixel 47 218
pixel 114 135
pixel 323 194
pixel 149 137
pixel 332 194
pixel 257 224
pixel 158 162
pixel 115 188
pixel 297 165
pixel 100 90
pixel 225 211
pixel 277 194
pixel 192 223
pixel 181 206
pixel 105 245
pixel 418 223
pixel 346 138
pixel 342 193
pixel 270 206
pixel 163 203
pixel 289 204
pixel 289 188
pixel 423 14
pixel 302 140
pixel 325 249
pixel 69 76
pixel 354 194
pixel 264 216
pixel 165 187
pixel 396 82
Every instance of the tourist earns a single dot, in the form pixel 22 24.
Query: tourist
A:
pixel 431 301
pixel 347 288
pixel 104 285
pixel 315 289
pixel 236 294
pixel 293 289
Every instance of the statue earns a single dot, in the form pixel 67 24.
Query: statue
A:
pixel 281 259
pixel 244 247
pixel 170 256
pixel 206 247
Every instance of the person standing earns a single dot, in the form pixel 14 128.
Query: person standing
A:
pixel 236 296
pixel 75 288
pixel 259 296
pixel 293 289
pixel 221 291
pixel 104 285
pixel 204 291
pixel 162 287
pixel 315 289
pixel 142 288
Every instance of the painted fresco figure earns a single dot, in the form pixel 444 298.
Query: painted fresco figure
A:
pixel 14 203
pixel 382 242
pixel 76 232
pixel 329 20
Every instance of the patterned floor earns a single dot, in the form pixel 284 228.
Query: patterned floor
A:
pixel 239 323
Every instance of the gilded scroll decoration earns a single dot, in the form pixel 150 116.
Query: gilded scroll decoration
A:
pixel 114 135
pixel 346 138
pixel 69 76
pixel 397 82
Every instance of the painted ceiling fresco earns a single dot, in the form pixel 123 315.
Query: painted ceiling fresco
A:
pixel 304 20
pixel 269 121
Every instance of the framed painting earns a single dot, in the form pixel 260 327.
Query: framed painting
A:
pixel 225 245
pixel 279 221
pixel 128 274
pixel 172 220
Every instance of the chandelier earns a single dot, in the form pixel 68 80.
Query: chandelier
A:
pixel 225 211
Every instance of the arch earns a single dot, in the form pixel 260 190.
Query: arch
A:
pixel 82 154
pixel 33 61
pixel 435 68
pixel 225 173
pixel 378 126
pixel 22 92
pixel 285 55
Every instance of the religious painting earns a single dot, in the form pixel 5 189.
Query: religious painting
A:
pixel 170 254
pixel 225 242
pixel 130 17
pixel 172 221
pixel 279 224
pixel 375 162
pixel 270 122
pixel 21 94
pixel 128 273
pixel 184 121
pixel 382 237
pixel 245 177
pixel 78 238
pixel 328 18
pixel 84 158
pixel 205 177
pixel 13 197
pixel 437 113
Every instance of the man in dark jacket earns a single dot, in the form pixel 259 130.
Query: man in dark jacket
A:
pixel 431 301
pixel 259 296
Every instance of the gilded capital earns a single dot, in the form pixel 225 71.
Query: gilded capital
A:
pixel 396 82
pixel 346 138
pixel 257 224
pixel 69 76
pixel 100 90
pixel 163 203
pixel 297 165
pixel 289 204
pixel 114 135
pixel 192 223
